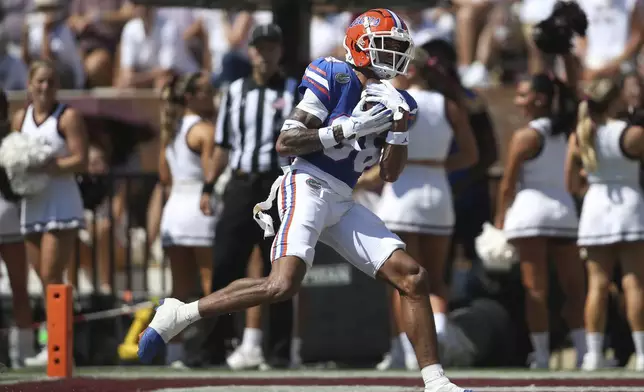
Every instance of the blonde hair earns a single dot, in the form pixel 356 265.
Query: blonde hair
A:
pixel 173 105
pixel 599 96
pixel 38 64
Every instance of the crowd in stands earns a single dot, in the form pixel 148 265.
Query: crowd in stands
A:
pixel 120 45
pixel 114 43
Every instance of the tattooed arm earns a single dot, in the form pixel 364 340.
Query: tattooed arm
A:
pixel 300 134
pixel 392 163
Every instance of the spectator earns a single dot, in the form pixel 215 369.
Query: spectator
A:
pixel 425 25
pixel 614 36
pixel 184 18
pixel 46 36
pixel 97 25
pixel 499 33
pixel 470 18
pixel 12 250
pixel 327 33
pixel 151 51
pixel 249 148
pixel 50 220
pixel 13 72
pixel 224 33
pixel 188 141
pixel 610 228
pixel 96 195
pixel 12 18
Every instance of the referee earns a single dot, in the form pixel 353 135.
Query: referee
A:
pixel 250 118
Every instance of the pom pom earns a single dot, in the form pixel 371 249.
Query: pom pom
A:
pixel 554 34
pixel 18 153
pixel 494 250
pixel 575 17
pixel 552 37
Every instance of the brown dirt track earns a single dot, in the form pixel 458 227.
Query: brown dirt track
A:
pixel 100 384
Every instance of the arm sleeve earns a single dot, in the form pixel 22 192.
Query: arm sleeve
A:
pixel 311 104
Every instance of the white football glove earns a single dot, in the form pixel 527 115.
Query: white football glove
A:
pixel 365 122
pixel 385 93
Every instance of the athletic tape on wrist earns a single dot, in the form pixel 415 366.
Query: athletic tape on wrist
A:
pixel 398 138
pixel 326 137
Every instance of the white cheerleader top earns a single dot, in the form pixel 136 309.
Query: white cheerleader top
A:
pixel 430 138
pixel 546 170
pixel 613 164
pixel 184 163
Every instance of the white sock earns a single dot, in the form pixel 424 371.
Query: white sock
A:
pixel 188 313
pixel 433 374
pixel 440 321
pixel 578 337
pixel 396 348
pixel 407 347
pixel 252 338
pixel 174 352
pixel 296 348
pixel 541 345
pixel 638 340
pixel 595 343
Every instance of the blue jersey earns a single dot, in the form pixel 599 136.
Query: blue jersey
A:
pixel 338 88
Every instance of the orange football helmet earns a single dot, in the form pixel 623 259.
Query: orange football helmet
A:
pixel 379 40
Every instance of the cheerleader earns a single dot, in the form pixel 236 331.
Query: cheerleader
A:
pixel 611 227
pixel 186 233
pixel 418 206
pixel 538 215
pixel 51 219
pixel 12 250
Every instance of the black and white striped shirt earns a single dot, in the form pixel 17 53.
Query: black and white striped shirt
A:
pixel 250 119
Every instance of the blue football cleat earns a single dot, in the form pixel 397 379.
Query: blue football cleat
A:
pixel 150 343
pixel 163 327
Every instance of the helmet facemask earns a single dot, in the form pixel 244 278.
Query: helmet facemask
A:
pixel 389 51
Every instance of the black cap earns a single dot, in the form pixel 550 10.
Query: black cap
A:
pixel 268 32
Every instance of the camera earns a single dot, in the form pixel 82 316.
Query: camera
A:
pixel 554 34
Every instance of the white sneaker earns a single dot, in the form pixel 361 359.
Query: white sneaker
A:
pixel 246 358
pixel 593 361
pixel 40 360
pixel 476 76
pixel 392 361
pixel 179 365
pixel 639 363
pixel 21 346
pixel 163 327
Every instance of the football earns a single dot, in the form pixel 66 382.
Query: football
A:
pixel 399 125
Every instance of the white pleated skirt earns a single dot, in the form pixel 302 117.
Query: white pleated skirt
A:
pixel 58 207
pixel 182 222
pixel 541 213
pixel 611 213
pixel 420 201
